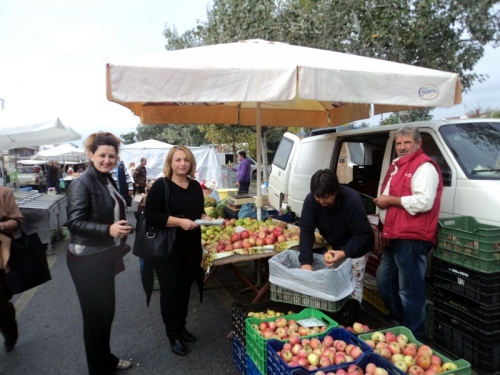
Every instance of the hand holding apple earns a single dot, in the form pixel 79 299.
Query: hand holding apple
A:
pixel 333 256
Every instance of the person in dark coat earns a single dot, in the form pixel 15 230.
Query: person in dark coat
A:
pixel 53 176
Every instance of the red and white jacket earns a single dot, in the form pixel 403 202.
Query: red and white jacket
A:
pixel 398 223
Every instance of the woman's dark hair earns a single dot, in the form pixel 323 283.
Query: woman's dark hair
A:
pixel 95 140
pixel 242 153
pixel 324 183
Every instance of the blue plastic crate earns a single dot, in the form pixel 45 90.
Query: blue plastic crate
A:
pixel 239 356
pixel 276 365
pixel 252 367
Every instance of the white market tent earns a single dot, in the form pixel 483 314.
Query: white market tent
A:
pixel 64 153
pixel 42 133
pixel 207 162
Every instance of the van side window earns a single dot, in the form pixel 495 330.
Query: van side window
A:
pixel 359 163
pixel 432 150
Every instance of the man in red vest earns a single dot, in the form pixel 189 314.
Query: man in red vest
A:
pixel 409 210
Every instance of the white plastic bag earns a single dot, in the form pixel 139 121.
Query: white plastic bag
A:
pixel 328 283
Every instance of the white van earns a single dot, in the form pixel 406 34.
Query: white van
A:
pixel 467 151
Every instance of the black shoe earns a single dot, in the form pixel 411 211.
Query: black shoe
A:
pixel 187 337
pixel 178 347
pixel 9 345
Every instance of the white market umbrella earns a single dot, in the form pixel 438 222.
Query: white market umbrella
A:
pixel 32 135
pixel 150 143
pixel 261 83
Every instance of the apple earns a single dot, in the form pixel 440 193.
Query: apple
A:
pixel 410 351
pixel 287 346
pixel 303 362
pixel 304 341
pixel 436 360
pixel 260 242
pixel 328 341
pixel 435 367
pixel 394 347
pixel 409 360
pixel 401 365
pixel 415 370
pixel 318 351
pixel 423 360
pixel 378 337
pixel 228 248
pixel 235 237
pixel 281 238
pixel 303 331
pixel 296 349
pixel 312 368
pixel 390 337
pixel 358 327
pixel 281 332
pixel 402 340
pixel 348 348
pixel 381 345
pixel 380 371
pixel 330 354
pixel 324 361
pixel 370 343
pixel 355 352
pixel 277 232
pixel 339 358
pixel 247 244
pixel 354 370
pixel 262 234
pixel 244 234
pixel 263 326
pixel 397 357
pixel 270 240
pixel 286 355
pixel 303 354
pixel 237 245
pixel 425 349
pixel 293 325
pixel 448 366
pixel 281 322
pixel 370 368
pixel 384 352
pixel 294 339
pixel 328 257
pixel 313 359
pixel 315 343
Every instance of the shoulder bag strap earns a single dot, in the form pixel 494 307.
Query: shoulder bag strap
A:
pixel 167 209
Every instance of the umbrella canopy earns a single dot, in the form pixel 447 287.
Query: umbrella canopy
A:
pixel 64 152
pixel 150 143
pixel 256 82
pixel 31 135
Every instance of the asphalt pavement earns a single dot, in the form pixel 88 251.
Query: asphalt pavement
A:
pixel 50 325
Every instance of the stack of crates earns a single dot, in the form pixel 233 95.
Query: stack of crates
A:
pixel 370 291
pixel 466 273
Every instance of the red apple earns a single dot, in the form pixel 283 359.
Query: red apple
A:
pixel 235 237
pixel 269 240
pixel 244 234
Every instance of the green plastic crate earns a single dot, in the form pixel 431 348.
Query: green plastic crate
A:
pixel 463 367
pixel 429 320
pixel 281 294
pixel 464 241
pixel 256 344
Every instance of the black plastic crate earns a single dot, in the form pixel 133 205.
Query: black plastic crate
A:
pixel 240 314
pixel 485 318
pixel 483 288
pixel 464 340
pixel 364 173
pixel 372 263
pixel 231 214
pixel 353 312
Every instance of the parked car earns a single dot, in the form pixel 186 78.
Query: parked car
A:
pixel 31 175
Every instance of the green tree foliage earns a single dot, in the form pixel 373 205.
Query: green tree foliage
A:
pixel 128 138
pixel 448 35
pixel 422 114
pixel 188 135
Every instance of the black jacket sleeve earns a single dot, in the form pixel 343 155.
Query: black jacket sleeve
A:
pixel 307 226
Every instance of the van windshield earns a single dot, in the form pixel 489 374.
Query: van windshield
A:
pixel 476 146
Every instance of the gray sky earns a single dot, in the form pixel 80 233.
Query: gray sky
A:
pixel 53 55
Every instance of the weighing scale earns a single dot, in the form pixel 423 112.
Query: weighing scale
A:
pixel 241 199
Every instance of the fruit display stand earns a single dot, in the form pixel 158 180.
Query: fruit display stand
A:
pixel 277 366
pixel 463 366
pixel 256 344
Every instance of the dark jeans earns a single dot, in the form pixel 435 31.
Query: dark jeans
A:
pixel 175 277
pixel 244 187
pixel 8 325
pixel 94 279
pixel 401 282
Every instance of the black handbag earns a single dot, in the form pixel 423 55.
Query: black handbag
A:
pixel 153 242
pixel 28 265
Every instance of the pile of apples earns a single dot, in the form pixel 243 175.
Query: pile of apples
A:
pixel 255 233
pixel 283 329
pixel 313 353
pixel 371 369
pixel 408 356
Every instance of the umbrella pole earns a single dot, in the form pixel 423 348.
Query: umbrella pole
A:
pixel 258 200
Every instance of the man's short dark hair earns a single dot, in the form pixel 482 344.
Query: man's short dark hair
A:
pixel 242 153
pixel 324 183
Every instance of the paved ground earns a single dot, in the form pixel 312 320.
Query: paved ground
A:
pixel 50 327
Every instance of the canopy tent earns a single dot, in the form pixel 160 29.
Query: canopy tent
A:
pixel 31 135
pixel 150 143
pixel 257 82
pixel 207 162
pixel 63 153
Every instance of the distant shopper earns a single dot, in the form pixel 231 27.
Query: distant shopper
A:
pixel 243 183
pixel 70 170
pixel 10 222
pixel 140 177
pixel 339 214
pixel 409 209
pixel 53 176
pixel 124 182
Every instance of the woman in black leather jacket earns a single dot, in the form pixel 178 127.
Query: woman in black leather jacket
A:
pixel 96 221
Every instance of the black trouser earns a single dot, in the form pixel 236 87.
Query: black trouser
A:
pixel 175 277
pixel 8 325
pixel 243 187
pixel 94 279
